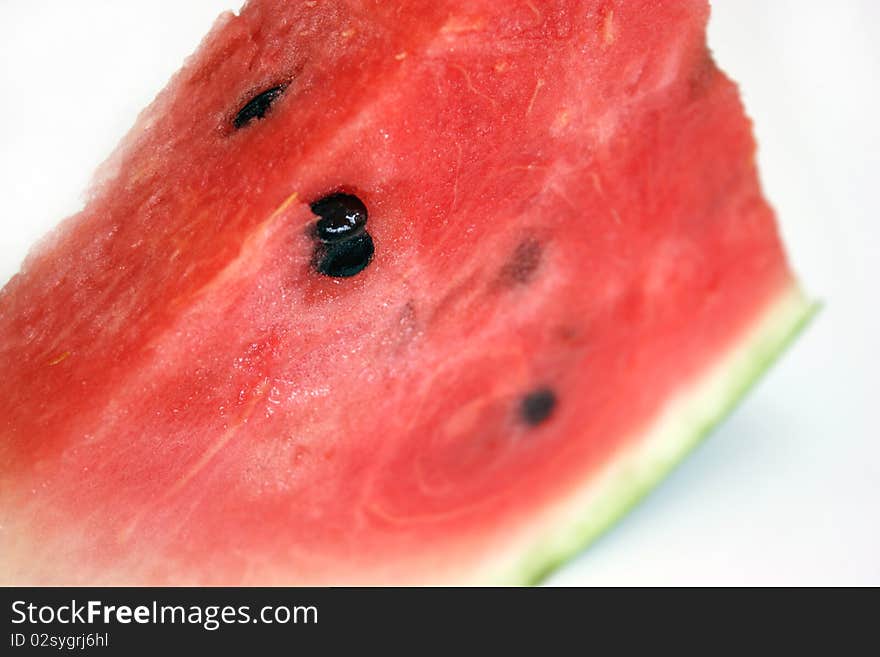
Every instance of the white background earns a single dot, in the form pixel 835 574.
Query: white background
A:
pixel 787 491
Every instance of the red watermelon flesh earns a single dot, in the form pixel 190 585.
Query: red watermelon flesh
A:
pixel 575 275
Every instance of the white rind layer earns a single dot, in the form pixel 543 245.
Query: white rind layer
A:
pixel 569 526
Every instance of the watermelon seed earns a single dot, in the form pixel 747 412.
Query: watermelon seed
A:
pixel 345 258
pixel 537 406
pixel 342 217
pixel 257 106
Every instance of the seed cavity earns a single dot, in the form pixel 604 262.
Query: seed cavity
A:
pixel 521 267
pixel 408 321
pixel 342 217
pixel 537 406
pixel 257 106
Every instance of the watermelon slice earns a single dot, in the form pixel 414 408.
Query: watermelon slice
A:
pixel 390 293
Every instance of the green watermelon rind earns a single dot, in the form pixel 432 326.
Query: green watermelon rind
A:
pixel 712 399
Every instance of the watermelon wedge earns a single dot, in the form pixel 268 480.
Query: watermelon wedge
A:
pixel 390 293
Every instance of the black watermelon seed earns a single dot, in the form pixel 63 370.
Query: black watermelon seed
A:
pixel 346 258
pixel 257 106
pixel 342 217
pixel 537 406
